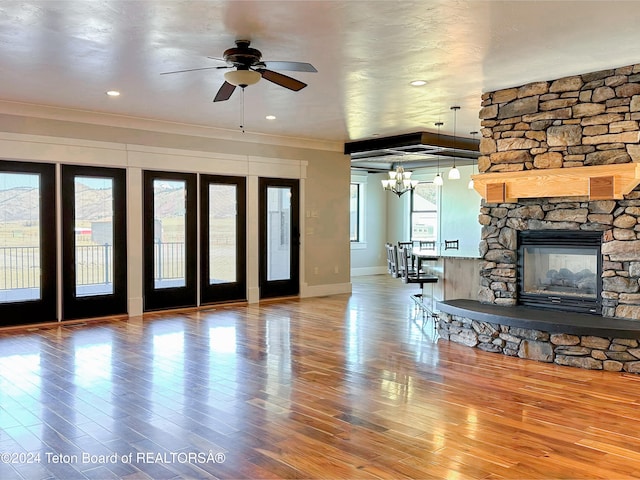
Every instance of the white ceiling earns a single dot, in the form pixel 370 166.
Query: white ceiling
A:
pixel 68 53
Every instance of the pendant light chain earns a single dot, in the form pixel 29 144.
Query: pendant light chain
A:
pixel 454 173
pixel 438 179
pixel 470 185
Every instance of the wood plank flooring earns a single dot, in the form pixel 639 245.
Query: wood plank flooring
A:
pixel 345 386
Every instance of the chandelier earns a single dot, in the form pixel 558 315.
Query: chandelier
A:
pixel 399 181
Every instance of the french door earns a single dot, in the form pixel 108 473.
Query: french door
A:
pixel 94 241
pixel 279 237
pixel 27 243
pixel 222 239
pixel 170 240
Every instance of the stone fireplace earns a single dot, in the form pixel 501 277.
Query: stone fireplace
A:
pixel 580 121
pixel 533 134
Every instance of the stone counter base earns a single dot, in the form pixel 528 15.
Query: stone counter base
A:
pixel 590 352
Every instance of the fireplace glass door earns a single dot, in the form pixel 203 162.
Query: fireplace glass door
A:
pixel 560 270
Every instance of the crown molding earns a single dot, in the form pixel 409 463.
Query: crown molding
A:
pixel 122 121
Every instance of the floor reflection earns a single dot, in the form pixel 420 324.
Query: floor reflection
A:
pixel 21 371
pixel 347 386
pixel 92 360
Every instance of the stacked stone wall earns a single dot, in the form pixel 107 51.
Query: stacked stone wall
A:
pixel 582 120
pixel 590 352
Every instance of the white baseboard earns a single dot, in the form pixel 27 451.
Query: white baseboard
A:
pixel 323 290
pixel 253 294
pixel 359 272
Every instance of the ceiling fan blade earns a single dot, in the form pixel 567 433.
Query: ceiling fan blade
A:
pixel 291 66
pixel 282 80
pixel 190 70
pixel 225 92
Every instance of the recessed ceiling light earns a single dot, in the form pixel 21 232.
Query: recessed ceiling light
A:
pixel 113 93
pixel 270 117
pixel 418 83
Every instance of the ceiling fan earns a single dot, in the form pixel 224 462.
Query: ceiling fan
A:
pixel 249 68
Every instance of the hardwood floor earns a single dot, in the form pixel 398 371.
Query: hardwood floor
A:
pixel 334 387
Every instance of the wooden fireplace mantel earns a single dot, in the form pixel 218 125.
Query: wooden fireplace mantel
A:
pixel 600 182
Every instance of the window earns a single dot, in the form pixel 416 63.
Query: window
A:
pixel 357 210
pixel 354 213
pixel 424 212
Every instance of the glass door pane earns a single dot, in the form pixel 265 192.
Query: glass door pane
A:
pixel 94 241
pixel 27 243
pixel 223 214
pixel 93 231
pixel 279 237
pixel 170 242
pixel 223 238
pixel 169 233
pixel 20 237
pixel 278 233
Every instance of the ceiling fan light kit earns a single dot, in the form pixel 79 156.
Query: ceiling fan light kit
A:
pixel 242 78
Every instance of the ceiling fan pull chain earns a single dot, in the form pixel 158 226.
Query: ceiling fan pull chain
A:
pixel 242 122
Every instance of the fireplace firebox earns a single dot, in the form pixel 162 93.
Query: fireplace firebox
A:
pixel 560 270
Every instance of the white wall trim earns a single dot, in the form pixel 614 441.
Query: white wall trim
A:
pixel 25 147
pixel 362 271
pixel 357 177
pixel 135 239
pixel 183 152
pixel 47 149
pixel 27 137
pixel 323 290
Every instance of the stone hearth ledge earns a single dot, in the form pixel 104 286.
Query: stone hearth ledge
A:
pixel 571 339
pixel 551 321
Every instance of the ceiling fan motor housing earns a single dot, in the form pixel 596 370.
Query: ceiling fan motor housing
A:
pixel 242 56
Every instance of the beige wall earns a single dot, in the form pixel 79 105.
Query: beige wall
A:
pixel 326 213
pixel 49 135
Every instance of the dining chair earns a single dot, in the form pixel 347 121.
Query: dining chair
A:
pixel 427 244
pixel 408 246
pixel 392 260
pixel 451 244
